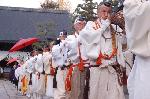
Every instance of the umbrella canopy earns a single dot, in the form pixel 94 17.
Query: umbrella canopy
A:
pixel 23 43
pixel 12 60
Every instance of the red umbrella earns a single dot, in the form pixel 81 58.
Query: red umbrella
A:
pixel 23 43
pixel 12 60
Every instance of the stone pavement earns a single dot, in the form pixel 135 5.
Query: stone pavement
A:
pixel 8 91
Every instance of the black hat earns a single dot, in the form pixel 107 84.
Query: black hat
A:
pixel 63 33
pixel 79 19
pixel 106 3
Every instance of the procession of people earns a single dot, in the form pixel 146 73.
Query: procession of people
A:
pixel 92 62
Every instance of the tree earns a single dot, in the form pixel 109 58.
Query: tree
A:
pixel 60 4
pixel 50 5
pixel 86 9
pixel 46 29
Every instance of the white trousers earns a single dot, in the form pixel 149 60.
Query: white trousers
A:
pixel 49 86
pixel 60 91
pixel 104 84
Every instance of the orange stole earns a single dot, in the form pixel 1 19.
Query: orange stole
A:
pixel 24 84
pixel 81 65
pixel 46 81
pixel 101 56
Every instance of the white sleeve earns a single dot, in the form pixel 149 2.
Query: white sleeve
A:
pixel 91 37
pixel 16 73
pixel 136 14
pixel 72 44
pixel 57 55
pixel 56 52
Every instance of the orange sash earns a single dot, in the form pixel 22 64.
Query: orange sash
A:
pixel 68 78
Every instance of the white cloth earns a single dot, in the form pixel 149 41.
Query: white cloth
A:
pixel 137 20
pixel 94 42
pixel 41 85
pixel 138 81
pixel 72 42
pixel 102 88
pixel 34 82
pixel 60 91
pixel 64 47
pixel 1 70
pixel 20 71
pixel 128 61
pixel 82 48
pixel 49 86
pixel 31 64
pixel 91 37
pixel 39 78
pixel 57 56
pixel 27 65
pixel 39 63
pixel 47 58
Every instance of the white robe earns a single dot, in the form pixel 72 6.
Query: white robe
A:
pixel 128 61
pixel 41 81
pixel 39 63
pixel 94 42
pixel 57 57
pixel 137 18
pixel 47 57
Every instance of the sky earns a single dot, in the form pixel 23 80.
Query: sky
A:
pixel 35 3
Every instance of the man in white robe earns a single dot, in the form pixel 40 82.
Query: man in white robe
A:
pixel 99 39
pixel 30 67
pixel 39 67
pixel 21 74
pixel 136 13
pixel 47 60
pixel 74 46
pixel 18 73
pixel 59 55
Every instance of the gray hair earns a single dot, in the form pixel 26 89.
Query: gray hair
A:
pixel 108 4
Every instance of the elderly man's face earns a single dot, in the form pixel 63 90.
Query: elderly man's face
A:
pixel 104 12
pixel 79 25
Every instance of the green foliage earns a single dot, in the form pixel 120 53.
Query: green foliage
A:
pixel 50 5
pixel 37 45
pixel 86 9
pixel 44 29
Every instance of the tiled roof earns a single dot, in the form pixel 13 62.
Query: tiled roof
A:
pixel 16 23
